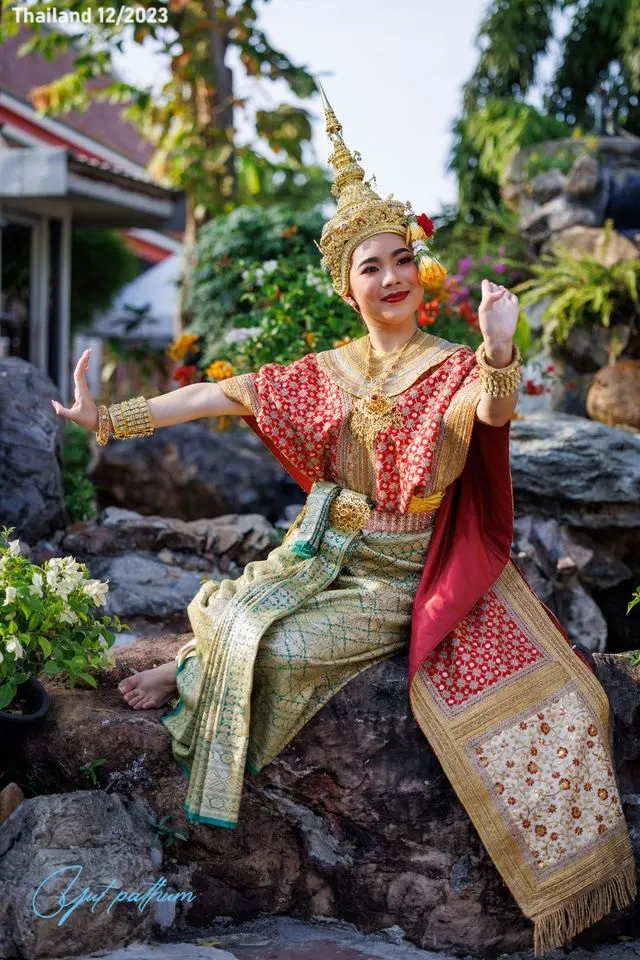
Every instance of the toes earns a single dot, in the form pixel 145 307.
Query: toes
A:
pixel 128 684
pixel 134 699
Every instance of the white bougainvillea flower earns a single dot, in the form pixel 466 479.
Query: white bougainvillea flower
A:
pixel 14 548
pixel 10 594
pixel 96 591
pixel 36 584
pixel 68 616
pixel 269 266
pixel 15 647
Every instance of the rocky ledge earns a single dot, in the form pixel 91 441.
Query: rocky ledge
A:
pixel 354 820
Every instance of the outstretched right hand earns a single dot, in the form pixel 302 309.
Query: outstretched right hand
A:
pixel 84 412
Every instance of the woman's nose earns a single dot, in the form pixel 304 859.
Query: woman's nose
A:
pixel 389 276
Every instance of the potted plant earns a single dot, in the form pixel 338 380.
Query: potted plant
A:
pixel 47 625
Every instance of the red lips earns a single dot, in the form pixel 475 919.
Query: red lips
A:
pixel 396 297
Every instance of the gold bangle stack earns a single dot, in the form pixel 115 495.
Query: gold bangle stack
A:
pixel 102 433
pixel 129 419
pixel 499 382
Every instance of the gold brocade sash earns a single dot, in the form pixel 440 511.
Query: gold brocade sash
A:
pixel 346 509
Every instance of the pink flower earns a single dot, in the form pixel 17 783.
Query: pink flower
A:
pixel 499 268
pixel 465 264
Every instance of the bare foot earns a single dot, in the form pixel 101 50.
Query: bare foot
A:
pixel 150 689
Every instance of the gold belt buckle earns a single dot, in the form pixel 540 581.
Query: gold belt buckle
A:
pixel 349 511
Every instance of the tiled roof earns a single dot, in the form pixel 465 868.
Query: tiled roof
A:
pixel 102 121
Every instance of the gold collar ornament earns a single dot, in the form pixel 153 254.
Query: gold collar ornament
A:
pixel 374 411
pixel 361 213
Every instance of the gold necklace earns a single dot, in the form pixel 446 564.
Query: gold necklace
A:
pixel 374 412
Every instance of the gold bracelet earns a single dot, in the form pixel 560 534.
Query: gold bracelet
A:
pixel 102 433
pixel 131 418
pixel 499 382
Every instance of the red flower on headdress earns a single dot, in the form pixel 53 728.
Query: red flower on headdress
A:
pixel 426 223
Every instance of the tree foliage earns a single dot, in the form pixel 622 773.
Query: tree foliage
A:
pixel 595 87
pixel 191 119
pixel 597 79
pixel 485 140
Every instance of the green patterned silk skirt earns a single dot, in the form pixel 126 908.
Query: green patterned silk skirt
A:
pixel 273 646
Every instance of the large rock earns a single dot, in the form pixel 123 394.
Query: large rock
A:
pixel 594 242
pixel 155 565
pixel 551 560
pixel 31 492
pixel 560 213
pixel 355 818
pixel 189 472
pixel 604 183
pixel 614 395
pixel 54 847
pixel 578 471
pixel 577 539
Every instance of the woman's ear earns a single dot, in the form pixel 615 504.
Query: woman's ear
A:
pixel 352 303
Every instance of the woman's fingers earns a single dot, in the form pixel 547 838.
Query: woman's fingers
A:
pixel 62 411
pixel 80 375
pixel 81 391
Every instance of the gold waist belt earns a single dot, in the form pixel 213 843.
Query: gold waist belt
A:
pixel 420 504
pixel 346 510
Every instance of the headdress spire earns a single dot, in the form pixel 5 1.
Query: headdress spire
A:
pixel 361 212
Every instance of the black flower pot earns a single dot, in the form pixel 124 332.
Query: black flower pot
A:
pixel 29 705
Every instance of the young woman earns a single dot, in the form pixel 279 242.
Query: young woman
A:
pixel 400 440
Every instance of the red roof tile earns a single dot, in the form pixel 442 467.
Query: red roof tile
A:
pixel 101 122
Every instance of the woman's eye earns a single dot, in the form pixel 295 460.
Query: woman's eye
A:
pixel 405 260
pixel 366 269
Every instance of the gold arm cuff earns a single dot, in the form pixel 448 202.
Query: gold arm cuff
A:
pixel 131 418
pixel 499 382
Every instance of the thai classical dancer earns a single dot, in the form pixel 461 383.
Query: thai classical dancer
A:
pixel 400 440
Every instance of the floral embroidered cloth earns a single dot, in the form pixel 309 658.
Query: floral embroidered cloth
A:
pixel 521 726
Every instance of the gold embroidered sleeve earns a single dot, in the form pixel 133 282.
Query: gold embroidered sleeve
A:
pixel 242 389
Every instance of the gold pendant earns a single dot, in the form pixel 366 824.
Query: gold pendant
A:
pixel 370 415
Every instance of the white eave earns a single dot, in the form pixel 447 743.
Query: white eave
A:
pixel 97 195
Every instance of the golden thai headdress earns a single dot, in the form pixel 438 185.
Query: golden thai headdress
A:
pixel 362 213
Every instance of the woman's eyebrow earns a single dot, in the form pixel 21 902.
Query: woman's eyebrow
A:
pixel 377 259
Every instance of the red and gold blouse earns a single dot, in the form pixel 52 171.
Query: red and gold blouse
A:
pixel 303 409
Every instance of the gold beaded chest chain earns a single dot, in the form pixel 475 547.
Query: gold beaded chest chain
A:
pixel 373 412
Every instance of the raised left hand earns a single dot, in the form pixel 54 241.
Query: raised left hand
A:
pixel 497 314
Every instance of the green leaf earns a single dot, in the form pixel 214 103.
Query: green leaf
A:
pixel 7 693
pixel 52 666
pixel 45 646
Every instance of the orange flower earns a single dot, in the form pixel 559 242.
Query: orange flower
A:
pixel 309 338
pixel 182 346
pixel 290 231
pixel 342 343
pixel 220 370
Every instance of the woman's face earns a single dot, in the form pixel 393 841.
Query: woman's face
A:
pixel 383 279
